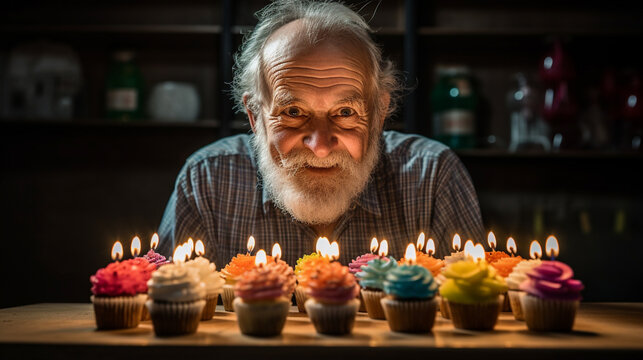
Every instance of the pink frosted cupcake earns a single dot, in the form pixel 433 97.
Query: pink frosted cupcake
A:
pixel 282 267
pixel 119 293
pixel 356 266
pixel 551 297
pixel 159 260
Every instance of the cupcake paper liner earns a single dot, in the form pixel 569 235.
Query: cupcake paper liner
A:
pixel 300 298
pixel 548 315
pixel 261 318
pixel 444 308
pixel 227 297
pixel 362 304
pixel 175 318
pixel 371 300
pixel 332 319
pixel 516 308
pixel 481 316
pixel 145 315
pixel 210 306
pixel 506 304
pixel 410 316
pixel 120 312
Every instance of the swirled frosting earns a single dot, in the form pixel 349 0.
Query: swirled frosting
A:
pixel 429 262
pixel 301 262
pixel 454 258
pixel 552 280
pixel 493 256
pixel 239 265
pixel 281 267
pixel 122 278
pixel 155 258
pixel 372 276
pixel 356 265
pixel 330 282
pixel 469 282
pixel 207 274
pixel 260 284
pixel 504 266
pixel 519 273
pixel 308 268
pixel 410 282
pixel 176 283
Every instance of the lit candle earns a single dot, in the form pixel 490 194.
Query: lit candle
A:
pixel 261 259
pixel 190 247
pixel 322 246
pixel 374 245
pixel 250 245
pixel 199 248
pixel 154 242
pixel 456 242
pixel 334 251
pixel 468 247
pixel 511 246
pixel 535 251
pixel 491 239
pixel 135 247
pixel 180 254
pixel 420 242
pixel 430 247
pixel 383 248
pixel 276 252
pixel 117 251
pixel 551 247
pixel 410 256
pixel 477 253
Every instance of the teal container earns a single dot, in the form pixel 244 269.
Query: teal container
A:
pixel 124 89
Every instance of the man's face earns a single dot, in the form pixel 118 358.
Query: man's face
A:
pixel 314 134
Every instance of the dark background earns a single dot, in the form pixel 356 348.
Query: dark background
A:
pixel 71 187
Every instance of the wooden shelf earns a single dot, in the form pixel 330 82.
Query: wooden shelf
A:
pixel 106 123
pixel 114 29
pixel 517 32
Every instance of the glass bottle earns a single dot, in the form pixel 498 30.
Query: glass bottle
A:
pixel 455 99
pixel 528 132
pixel 124 88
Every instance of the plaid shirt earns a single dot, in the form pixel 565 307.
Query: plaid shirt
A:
pixel 418 185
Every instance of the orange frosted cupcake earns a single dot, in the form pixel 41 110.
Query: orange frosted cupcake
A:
pixel 493 256
pixel 332 291
pixel 235 268
pixel 428 262
pixel 504 266
pixel 305 262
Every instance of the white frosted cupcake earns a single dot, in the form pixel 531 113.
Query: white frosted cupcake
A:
pixel 212 281
pixel 515 278
pixel 177 299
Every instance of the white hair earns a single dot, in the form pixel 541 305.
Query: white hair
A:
pixel 322 20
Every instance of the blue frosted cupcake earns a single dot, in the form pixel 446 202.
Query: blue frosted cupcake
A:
pixel 410 304
pixel 371 279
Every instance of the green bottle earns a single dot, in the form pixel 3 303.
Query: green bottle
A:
pixel 124 88
pixel 455 99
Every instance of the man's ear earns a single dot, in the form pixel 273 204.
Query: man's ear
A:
pixel 385 101
pixel 251 115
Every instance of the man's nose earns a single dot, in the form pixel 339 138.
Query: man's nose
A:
pixel 320 140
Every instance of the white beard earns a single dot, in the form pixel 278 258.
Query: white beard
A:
pixel 314 199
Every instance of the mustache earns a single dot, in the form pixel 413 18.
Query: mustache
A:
pixel 299 159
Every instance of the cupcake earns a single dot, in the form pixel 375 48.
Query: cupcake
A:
pixel 371 280
pixel 518 276
pixel 119 293
pixel 177 299
pixel 302 263
pixel 260 303
pixel 504 266
pixel 212 281
pixel 473 294
pixel 410 304
pixel 448 260
pixel 355 266
pixel 282 267
pixel 493 256
pixel 235 268
pixel 332 297
pixel 157 259
pixel 551 297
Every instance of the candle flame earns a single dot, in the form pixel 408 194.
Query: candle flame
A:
pixel 135 247
pixel 155 241
pixel 373 245
pixel 491 240
pixel 420 242
pixel 179 254
pixel 251 244
pixel 276 252
pixel 189 248
pixel 261 259
pixel 468 248
pixel 478 253
pixel 199 248
pixel 117 251
pixel 457 243
pixel 535 251
pixel 430 247
pixel 511 246
pixel 333 251
pixel 383 248
pixel 410 255
pixel 551 246
pixel 322 246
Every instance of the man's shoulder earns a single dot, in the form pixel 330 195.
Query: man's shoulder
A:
pixel 407 147
pixel 235 148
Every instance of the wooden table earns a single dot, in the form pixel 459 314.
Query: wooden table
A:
pixel 52 331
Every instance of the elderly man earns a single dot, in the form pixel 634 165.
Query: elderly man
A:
pixel 317 92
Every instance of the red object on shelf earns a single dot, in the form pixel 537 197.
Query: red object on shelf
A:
pixel 556 65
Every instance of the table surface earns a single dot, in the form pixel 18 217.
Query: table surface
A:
pixel 40 330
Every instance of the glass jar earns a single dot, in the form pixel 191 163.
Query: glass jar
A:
pixel 124 88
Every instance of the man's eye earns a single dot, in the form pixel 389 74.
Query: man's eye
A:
pixel 293 112
pixel 346 112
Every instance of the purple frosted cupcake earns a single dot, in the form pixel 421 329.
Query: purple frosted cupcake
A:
pixel 356 266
